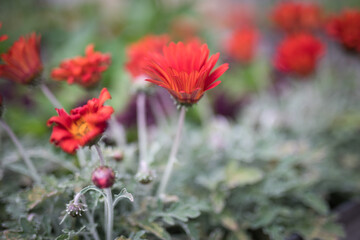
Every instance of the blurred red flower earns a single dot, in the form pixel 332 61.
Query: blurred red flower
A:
pixel 85 71
pixel 137 53
pixel 83 125
pixel 22 63
pixel 242 43
pixel 185 70
pixel 297 16
pixel 345 28
pixel 298 54
pixel 2 37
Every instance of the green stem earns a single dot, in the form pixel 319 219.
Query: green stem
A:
pixel 50 96
pixel 142 136
pixel 35 175
pixel 172 157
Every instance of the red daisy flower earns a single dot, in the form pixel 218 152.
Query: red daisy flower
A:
pixel 85 71
pixel 297 16
pixel 83 125
pixel 345 28
pixel 138 51
pixel 2 37
pixel 242 43
pixel 185 70
pixel 298 54
pixel 22 63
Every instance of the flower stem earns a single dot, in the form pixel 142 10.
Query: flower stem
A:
pixel 172 157
pixel 50 96
pixel 101 157
pixel 109 209
pixel 27 160
pixel 141 124
pixel 110 217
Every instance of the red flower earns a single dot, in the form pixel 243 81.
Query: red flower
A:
pixel 2 37
pixel 298 54
pixel 295 16
pixel 345 28
pixel 185 70
pixel 22 62
pixel 242 44
pixel 83 125
pixel 138 51
pixel 85 71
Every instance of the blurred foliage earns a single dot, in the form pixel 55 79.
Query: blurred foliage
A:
pixel 270 172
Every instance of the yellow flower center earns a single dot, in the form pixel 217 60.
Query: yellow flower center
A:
pixel 80 128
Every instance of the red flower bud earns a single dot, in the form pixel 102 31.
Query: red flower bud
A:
pixel 103 177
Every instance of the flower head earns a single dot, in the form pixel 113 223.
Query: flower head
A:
pixel 345 28
pixel 22 63
pixel 85 71
pixel 298 54
pixel 75 209
pixel 242 43
pixel 2 37
pixel 296 16
pixel 138 52
pixel 185 70
pixel 83 125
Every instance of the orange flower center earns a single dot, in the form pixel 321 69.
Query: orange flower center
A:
pixel 80 128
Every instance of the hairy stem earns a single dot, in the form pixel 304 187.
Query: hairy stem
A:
pixel 101 157
pixel 50 96
pixel 35 175
pixel 172 157
pixel 110 217
pixel 141 124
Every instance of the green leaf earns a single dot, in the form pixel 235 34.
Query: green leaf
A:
pixel 123 194
pixel 240 176
pixel 315 202
pixel 178 211
pixel 26 226
pixel 151 227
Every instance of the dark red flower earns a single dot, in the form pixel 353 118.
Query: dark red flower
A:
pixel 2 37
pixel 22 63
pixel 185 70
pixel 242 43
pixel 345 28
pixel 103 177
pixel 85 71
pixel 298 54
pixel 138 52
pixel 83 125
pixel 297 16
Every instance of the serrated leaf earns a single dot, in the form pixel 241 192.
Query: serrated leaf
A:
pixel 315 202
pixel 240 176
pixel 178 211
pixel 151 227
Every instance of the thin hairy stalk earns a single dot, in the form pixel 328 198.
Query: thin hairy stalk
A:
pixel 110 217
pixel 109 210
pixel 141 124
pixel 90 218
pixel 50 96
pixel 172 157
pixel 34 174
pixel 101 157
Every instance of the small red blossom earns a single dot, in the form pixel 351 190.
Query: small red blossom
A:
pixel 242 43
pixel 138 52
pixel 2 37
pixel 83 125
pixel 297 16
pixel 22 63
pixel 103 177
pixel 85 71
pixel 185 70
pixel 345 28
pixel 298 54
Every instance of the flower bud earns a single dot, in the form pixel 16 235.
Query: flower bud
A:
pixel 103 177
pixel 75 209
pixel 118 156
pixel 145 177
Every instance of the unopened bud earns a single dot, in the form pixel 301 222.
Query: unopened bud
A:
pixel 103 177
pixel 75 209
pixel 145 177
